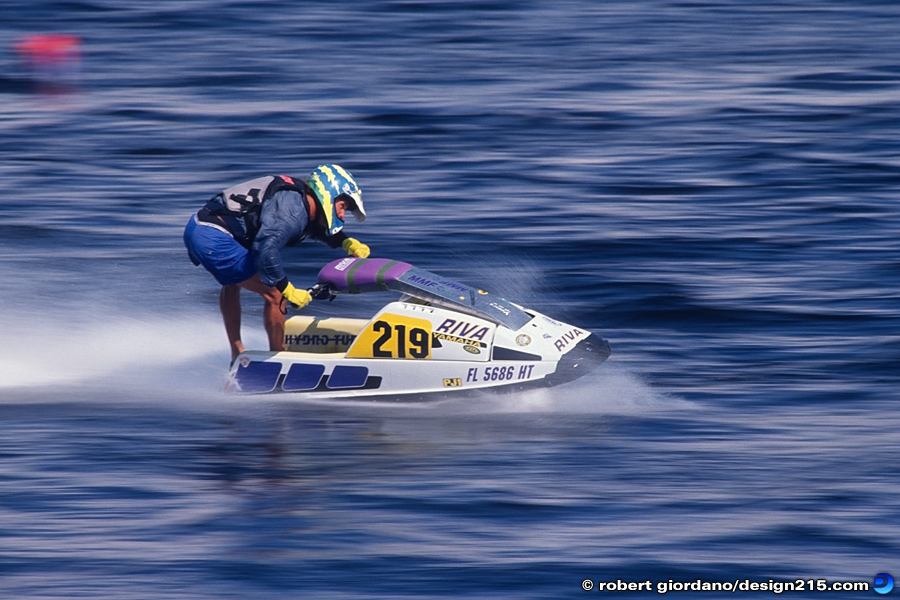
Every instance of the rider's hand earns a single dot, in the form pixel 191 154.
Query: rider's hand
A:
pixel 355 248
pixel 299 298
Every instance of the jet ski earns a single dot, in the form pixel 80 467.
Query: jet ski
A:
pixel 440 337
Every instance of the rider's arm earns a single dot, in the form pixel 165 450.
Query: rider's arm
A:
pixel 283 218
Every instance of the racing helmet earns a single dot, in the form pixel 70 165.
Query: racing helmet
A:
pixel 329 183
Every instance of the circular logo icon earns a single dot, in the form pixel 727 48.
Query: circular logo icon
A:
pixel 523 339
pixel 472 349
pixel 884 583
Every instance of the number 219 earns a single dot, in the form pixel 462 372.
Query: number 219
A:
pixel 410 342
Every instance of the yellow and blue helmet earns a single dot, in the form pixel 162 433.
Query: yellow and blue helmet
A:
pixel 329 183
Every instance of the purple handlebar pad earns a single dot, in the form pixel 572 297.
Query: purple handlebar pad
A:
pixel 357 275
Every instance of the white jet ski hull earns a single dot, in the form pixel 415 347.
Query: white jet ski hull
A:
pixel 440 337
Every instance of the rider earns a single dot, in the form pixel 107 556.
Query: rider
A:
pixel 239 233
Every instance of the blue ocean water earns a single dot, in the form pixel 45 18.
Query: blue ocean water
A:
pixel 711 185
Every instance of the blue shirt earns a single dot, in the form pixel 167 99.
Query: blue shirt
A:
pixel 284 221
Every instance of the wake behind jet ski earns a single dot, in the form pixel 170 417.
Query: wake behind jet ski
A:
pixel 439 337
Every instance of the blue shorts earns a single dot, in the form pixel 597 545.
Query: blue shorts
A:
pixel 218 252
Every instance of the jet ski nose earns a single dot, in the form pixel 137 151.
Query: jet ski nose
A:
pixel 587 355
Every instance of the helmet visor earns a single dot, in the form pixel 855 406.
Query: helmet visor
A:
pixel 355 205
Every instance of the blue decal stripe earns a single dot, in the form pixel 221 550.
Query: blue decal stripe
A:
pixel 257 377
pixel 303 377
pixel 346 377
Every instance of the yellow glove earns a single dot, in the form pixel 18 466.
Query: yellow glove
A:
pixel 355 248
pixel 298 298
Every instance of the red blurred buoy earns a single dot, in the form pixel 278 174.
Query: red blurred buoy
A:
pixel 44 48
pixel 51 62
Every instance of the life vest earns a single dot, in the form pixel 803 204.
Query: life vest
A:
pixel 238 208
